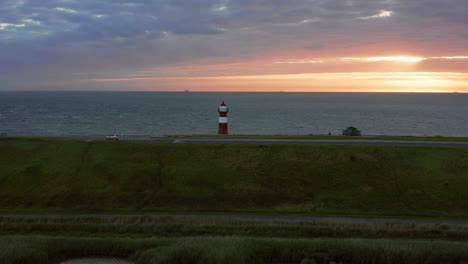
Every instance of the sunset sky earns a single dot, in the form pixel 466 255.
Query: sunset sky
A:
pixel 235 45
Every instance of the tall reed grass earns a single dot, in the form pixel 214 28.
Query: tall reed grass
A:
pixel 231 250
pixel 173 226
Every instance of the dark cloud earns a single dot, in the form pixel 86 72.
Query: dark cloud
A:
pixel 66 36
pixel 452 11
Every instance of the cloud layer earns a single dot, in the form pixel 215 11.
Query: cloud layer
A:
pixel 52 43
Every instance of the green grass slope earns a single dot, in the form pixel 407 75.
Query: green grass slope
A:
pixel 74 176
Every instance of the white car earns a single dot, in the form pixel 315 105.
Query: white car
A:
pixel 113 137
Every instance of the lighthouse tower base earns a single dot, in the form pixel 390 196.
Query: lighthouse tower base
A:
pixel 223 128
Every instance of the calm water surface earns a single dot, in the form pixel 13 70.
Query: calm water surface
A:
pixel 165 113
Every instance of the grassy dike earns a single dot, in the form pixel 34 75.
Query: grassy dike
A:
pixel 44 176
pixel 40 175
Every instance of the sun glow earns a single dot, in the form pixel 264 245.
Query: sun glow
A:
pixel 405 59
pixel 451 58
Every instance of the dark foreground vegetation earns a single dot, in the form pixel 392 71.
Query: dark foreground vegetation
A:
pixel 167 239
pixel 175 226
pixel 71 176
pixel 235 250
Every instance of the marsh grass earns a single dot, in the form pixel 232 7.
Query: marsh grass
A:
pixel 174 226
pixel 235 250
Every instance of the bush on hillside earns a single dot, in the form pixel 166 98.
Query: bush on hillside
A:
pixel 351 131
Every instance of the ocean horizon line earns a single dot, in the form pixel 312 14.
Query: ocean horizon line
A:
pixel 188 91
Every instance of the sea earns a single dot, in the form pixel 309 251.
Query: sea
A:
pixel 195 113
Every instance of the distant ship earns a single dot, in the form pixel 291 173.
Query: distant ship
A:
pixel 186 91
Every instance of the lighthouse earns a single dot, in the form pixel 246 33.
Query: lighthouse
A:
pixel 223 121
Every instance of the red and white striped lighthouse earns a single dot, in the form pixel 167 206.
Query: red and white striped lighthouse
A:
pixel 223 121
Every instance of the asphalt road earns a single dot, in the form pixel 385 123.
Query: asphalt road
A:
pixel 326 142
pixel 354 220
pixel 362 142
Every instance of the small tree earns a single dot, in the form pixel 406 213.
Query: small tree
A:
pixel 351 131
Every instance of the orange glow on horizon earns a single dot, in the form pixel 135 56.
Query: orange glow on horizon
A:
pixel 328 76
pixel 310 82
pixel 398 59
